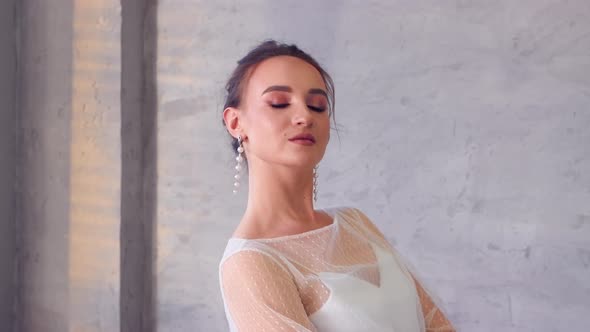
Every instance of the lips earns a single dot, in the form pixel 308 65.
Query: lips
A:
pixel 304 137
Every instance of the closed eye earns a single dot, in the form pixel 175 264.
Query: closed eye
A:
pixel 317 109
pixel 279 105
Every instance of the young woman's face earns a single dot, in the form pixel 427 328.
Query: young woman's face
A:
pixel 285 97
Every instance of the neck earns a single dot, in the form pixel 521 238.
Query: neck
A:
pixel 279 193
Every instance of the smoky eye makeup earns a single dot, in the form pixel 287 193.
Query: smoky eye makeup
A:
pixel 277 99
pixel 317 103
pixel 317 108
pixel 314 102
pixel 278 102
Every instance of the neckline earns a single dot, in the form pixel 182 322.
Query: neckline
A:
pixel 331 211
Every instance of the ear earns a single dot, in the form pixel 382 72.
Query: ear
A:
pixel 231 118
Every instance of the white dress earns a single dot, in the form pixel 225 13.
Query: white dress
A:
pixel 342 277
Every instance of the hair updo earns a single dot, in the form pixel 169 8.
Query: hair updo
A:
pixel 265 50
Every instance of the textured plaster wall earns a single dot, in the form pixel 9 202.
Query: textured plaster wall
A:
pixel 463 134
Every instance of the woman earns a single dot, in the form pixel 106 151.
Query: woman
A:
pixel 288 266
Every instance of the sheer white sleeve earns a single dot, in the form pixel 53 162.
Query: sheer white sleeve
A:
pixel 260 294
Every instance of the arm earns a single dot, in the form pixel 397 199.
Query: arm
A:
pixel 261 295
pixel 434 319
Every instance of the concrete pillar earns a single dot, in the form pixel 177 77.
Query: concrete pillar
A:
pixel 7 162
pixel 70 148
pixel 138 164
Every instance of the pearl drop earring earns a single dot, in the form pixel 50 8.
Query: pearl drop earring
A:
pixel 239 159
pixel 315 183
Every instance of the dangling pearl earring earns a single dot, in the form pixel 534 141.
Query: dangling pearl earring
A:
pixel 315 183
pixel 239 159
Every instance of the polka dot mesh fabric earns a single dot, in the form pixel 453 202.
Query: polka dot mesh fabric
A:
pixel 342 277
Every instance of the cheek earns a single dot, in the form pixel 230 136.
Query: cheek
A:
pixel 272 126
pixel 265 125
pixel 325 125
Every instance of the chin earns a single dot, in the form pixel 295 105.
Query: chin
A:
pixel 298 159
pixel 305 162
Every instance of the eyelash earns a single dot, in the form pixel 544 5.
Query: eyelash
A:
pixel 317 109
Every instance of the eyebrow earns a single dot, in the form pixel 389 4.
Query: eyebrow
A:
pixel 288 89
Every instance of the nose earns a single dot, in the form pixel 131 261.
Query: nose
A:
pixel 302 116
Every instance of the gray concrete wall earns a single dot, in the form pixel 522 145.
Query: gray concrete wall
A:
pixel 69 208
pixel 463 135
pixel 7 163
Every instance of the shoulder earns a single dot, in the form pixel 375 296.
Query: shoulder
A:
pixel 248 254
pixel 359 215
pixel 361 220
pixel 249 265
pixel 248 259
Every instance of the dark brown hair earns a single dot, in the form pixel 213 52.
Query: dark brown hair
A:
pixel 265 50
